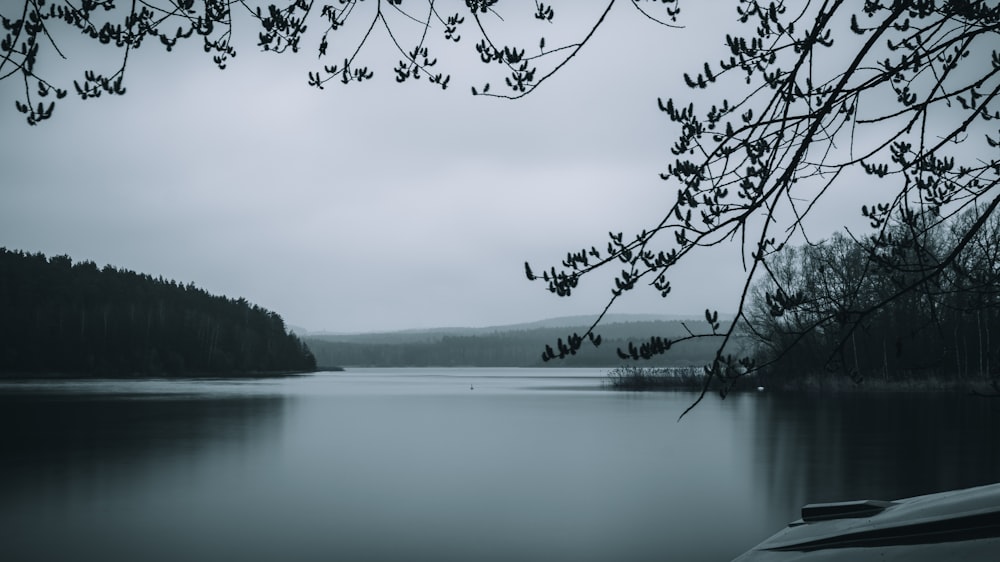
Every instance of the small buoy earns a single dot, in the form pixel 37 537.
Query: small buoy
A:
pixel 470 387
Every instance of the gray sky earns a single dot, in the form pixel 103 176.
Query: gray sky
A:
pixel 369 207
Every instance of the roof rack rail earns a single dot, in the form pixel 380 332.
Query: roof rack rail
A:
pixel 842 510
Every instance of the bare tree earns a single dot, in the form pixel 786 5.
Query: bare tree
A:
pixel 904 92
pixel 35 35
pixel 868 307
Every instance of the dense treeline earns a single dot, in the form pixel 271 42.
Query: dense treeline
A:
pixel 822 310
pixel 502 348
pixel 61 317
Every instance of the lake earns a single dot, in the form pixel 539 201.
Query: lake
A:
pixel 452 464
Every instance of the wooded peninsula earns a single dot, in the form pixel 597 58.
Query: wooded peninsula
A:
pixel 61 317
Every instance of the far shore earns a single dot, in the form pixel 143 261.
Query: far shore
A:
pixel 179 376
pixel 692 379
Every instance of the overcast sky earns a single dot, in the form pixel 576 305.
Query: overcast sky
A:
pixel 375 206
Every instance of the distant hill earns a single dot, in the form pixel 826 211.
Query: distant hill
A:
pixel 66 318
pixel 430 334
pixel 516 345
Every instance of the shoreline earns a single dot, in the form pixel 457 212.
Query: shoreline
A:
pixel 14 376
pixel 642 379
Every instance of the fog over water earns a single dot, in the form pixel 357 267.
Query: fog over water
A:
pixel 452 464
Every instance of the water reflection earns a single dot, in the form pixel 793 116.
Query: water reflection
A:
pixel 85 432
pixel 884 446
pixel 96 476
pixel 413 465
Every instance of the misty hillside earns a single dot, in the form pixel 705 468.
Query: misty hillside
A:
pixel 519 345
pixel 578 323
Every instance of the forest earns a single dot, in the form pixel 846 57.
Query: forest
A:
pixel 60 317
pixel 505 347
pixel 866 306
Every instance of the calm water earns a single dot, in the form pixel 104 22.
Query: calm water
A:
pixel 414 465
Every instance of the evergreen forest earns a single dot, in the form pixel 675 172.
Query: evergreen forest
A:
pixel 60 317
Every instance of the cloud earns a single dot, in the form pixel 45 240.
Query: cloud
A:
pixel 373 206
